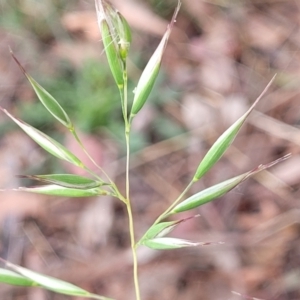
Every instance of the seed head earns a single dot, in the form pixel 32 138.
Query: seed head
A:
pixel 117 26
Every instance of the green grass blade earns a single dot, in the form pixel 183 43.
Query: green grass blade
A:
pixel 209 194
pixel 117 24
pixel 167 243
pixel 46 99
pixel 224 141
pixel 124 31
pixel 161 229
pixel 12 278
pixel 220 189
pixel 46 142
pixel 53 284
pixel 56 190
pixel 112 53
pixel 66 180
pixel 151 70
pixel 158 230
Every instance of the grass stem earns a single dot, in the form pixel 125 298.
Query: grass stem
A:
pixel 166 212
pixel 134 254
pixel 89 156
pixel 124 97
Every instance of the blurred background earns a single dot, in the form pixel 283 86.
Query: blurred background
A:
pixel 220 57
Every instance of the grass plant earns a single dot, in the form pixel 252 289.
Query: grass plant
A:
pixel 116 37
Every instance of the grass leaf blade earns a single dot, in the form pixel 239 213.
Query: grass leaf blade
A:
pixel 168 243
pixel 46 142
pixel 162 229
pixel 224 141
pixel 47 99
pixel 66 180
pixel 53 284
pixel 12 278
pixel 220 189
pixel 149 75
pixel 56 190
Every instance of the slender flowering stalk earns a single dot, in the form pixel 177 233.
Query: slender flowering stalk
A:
pixel 116 36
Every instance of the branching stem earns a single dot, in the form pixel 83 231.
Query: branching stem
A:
pixel 179 198
pixel 89 156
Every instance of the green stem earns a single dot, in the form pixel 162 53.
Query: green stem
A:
pixel 123 95
pixel 134 254
pixel 90 157
pixel 121 90
pixel 130 217
pixel 124 100
pixel 127 130
pixel 112 185
pixel 167 211
pixel 127 165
